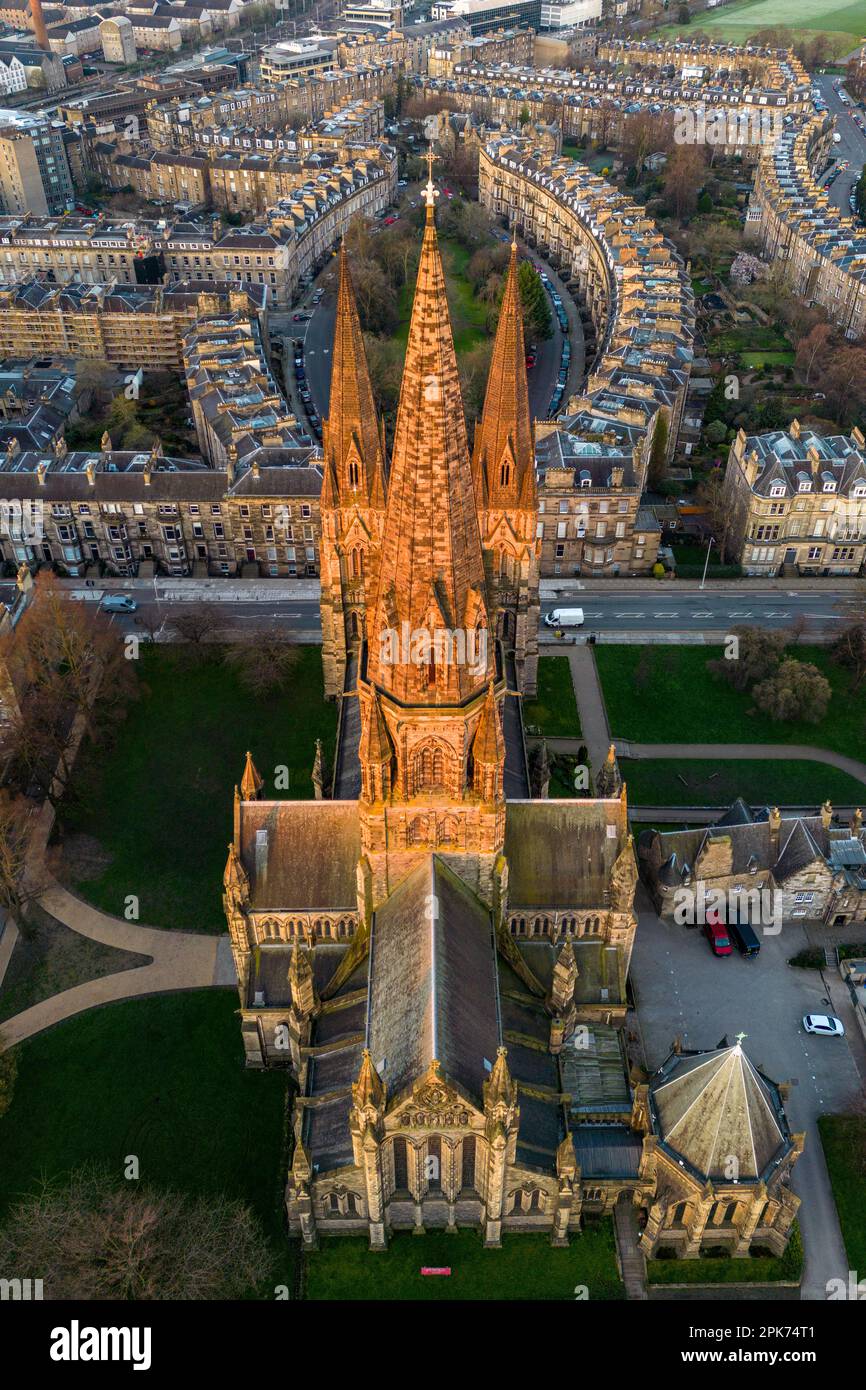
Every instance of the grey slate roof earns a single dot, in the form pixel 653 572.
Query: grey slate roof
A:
pixel 300 854
pixel 433 990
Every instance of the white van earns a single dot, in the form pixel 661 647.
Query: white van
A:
pixel 564 617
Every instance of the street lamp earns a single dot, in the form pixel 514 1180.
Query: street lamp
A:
pixel 707 562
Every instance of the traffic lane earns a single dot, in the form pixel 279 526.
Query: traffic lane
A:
pixel 693 614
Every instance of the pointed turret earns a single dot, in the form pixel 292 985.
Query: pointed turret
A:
pixel 488 749
pixel 251 782
pixel 375 751
pixel 302 982
pixel 499 1089
pixel 351 442
pixel 608 781
pixel 368 1090
pixel 503 460
pixel 431 574
pixel 562 985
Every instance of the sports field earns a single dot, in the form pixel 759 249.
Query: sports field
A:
pixel 844 23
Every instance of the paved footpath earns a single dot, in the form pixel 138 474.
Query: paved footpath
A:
pixel 178 960
pixel 721 751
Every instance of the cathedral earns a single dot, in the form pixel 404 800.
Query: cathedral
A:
pixel 438 958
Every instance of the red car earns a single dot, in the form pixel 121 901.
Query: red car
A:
pixel 388 221
pixel 717 935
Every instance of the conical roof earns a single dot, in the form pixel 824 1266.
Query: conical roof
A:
pixel 351 438
pixel 431 571
pixel 713 1108
pixel 504 432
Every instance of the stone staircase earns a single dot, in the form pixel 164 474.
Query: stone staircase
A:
pixel 631 1259
pixel 831 957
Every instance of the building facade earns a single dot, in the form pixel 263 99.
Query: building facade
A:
pixel 797 502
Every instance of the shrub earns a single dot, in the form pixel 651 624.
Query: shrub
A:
pixel 796 691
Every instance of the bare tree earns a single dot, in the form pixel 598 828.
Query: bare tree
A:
pixel 19 882
pixel 265 664
pixel 96 1239
pixel 195 623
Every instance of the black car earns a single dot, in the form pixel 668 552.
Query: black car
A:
pixel 744 939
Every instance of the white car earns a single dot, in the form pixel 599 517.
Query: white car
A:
pixel 823 1024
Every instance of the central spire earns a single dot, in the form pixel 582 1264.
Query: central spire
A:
pixel 431 577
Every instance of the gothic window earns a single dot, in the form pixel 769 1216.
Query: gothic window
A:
pixel 417 832
pixel 357 563
pixel 430 768
pixel 353 1206
pixel 467 1162
pixel 333 1204
pixel 447 832
pixel 401 1166
pixel 536 1200
pixel 679 1214
pixel 505 474
pixel 353 473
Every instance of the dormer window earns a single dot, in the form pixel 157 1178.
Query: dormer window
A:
pixel 805 485
pixel 777 490
pixel 859 490
pixel 829 485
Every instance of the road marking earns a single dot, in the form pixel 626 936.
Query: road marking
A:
pixel 666 615
pixel 741 615
pixel 701 615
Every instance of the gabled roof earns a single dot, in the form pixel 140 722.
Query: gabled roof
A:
pixel 433 985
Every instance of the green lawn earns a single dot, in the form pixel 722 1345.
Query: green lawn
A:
pixel 667 695
pixel 160 799
pixel 735 23
pixel 759 1269
pixel 844 1141
pixel 755 360
pixel 554 710
pixel 161 1078
pixel 468 312
pixel 527 1267
pixel 697 782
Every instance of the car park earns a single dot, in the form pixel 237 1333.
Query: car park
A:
pixel 823 1025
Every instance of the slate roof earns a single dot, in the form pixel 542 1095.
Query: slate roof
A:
pixel 710 1106
pixel 560 852
pixel 300 854
pixel 433 989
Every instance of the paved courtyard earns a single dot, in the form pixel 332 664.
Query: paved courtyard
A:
pixel 681 988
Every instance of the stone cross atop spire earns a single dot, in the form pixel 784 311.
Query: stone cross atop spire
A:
pixel 352 444
pixel 431 570
pixel 504 458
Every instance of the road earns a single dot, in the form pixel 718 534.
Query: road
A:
pixel 852 146
pixel 650 612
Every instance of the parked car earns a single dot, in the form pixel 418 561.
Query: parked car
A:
pixel 119 603
pixel 823 1025
pixel 745 939
pixel 301 318
pixel 717 935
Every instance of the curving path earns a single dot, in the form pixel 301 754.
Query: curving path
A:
pixel 178 960
pixel 790 751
